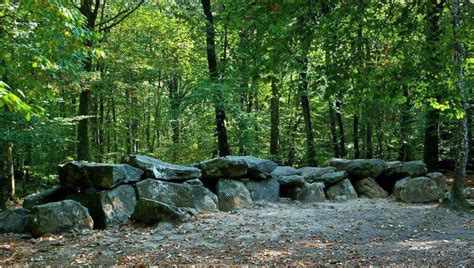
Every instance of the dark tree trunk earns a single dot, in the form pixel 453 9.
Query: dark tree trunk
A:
pixel 83 126
pixel 275 119
pixel 173 87
pixel 340 123
pixel 3 188
pixel 10 183
pixel 356 136
pixel 431 139
pixel 369 153
pixel 405 149
pixel 101 136
pixel 303 92
pixel 332 122
pixel 221 129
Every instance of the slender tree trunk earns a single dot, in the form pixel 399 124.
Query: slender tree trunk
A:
pixel 101 136
pixel 405 152
pixel 332 122
pixel 368 141
pixel 173 87
pixel 3 188
pixel 10 171
pixel 356 136
pixel 83 126
pixel 221 129
pixel 431 139
pixel 275 119
pixel 340 123
pixel 303 92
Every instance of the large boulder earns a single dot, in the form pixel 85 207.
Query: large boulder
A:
pixel 237 167
pixel 281 171
pixel 178 195
pixel 232 195
pixel 313 174
pixel 59 217
pixel 338 163
pixel 359 169
pixel 310 192
pixel 54 194
pixel 417 190
pixel 289 184
pixel 331 178
pixel 157 169
pixel 369 188
pixel 343 190
pixel 151 211
pixel 440 180
pixel 14 220
pixel 397 170
pixel 83 175
pixel 110 207
pixel 268 190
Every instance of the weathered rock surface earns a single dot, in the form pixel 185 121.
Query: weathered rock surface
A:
pixel 83 175
pixel 310 192
pixel 232 195
pixel 178 195
pixel 110 207
pixel 157 169
pixel 369 188
pixel 417 190
pixel 440 180
pixel 149 211
pixel 59 217
pixel 288 184
pixel 359 168
pixel 268 190
pixel 331 178
pixel 237 167
pixel 285 171
pixel 313 174
pixel 14 220
pixel 397 170
pixel 54 194
pixel 341 191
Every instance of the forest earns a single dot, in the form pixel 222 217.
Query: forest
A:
pixel 303 83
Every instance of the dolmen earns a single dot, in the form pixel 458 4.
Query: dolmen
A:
pixel 147 191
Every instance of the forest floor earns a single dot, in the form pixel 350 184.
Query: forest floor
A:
pixel 357 232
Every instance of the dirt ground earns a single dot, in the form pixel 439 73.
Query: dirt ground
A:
pixel 357 232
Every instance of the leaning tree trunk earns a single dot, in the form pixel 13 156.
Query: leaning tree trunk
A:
pixel 275 119
pixel 221 129
pixel 303 91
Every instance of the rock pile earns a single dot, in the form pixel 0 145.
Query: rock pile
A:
pixel 148 190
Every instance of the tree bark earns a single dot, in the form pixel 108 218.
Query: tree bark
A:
pixel 275 119
pixel 10 183
pixel 332 122
pixel 405 149
pixel 303 92
pixel 356 136
pixel 221 129
pixel 431 139
pixel 368 141
pixel 173 87
pixel 340 123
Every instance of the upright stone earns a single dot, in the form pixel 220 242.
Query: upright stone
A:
pixel 268 190
pixel 59 217
pixel 175 194
pixel 417 190
pixel 369 188
pixel 157 169
pixel 150 211
pixel 14 220
pixel 397 170
pixel 232 195
pixel 341 191
pixel 110 207
pixel 310 193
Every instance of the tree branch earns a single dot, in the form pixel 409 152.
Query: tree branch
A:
pixel 119 19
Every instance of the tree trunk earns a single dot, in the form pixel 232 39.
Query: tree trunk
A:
pixel 431 139
pixel 175 111
pixel 101 136
pixel 10 183
pixel 221 129
pixel 340 123
pixel 83 126
pixel 368 141
pixel 356 136
pixel 332 122
pixel 405 152
pixel 275 119
pixel 303 92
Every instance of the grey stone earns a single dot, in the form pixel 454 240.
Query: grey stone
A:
pixel 268 190
pixel 82 175
pixel 397 170
pixel 417 190
pixel 237 167
pixel 151 211
pixel 157 169
pixel 313 174
pixel 310 193
pixel 440 180
pixel 232 195
pixel 369 188
pixel 331 178
pixel 342 188
pixel 204 199
pixel 59 217
pixel 110 207
pixel 54 194
pixel 14 220
pixel 285 171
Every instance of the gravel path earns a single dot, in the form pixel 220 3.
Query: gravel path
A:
pixel 362 231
